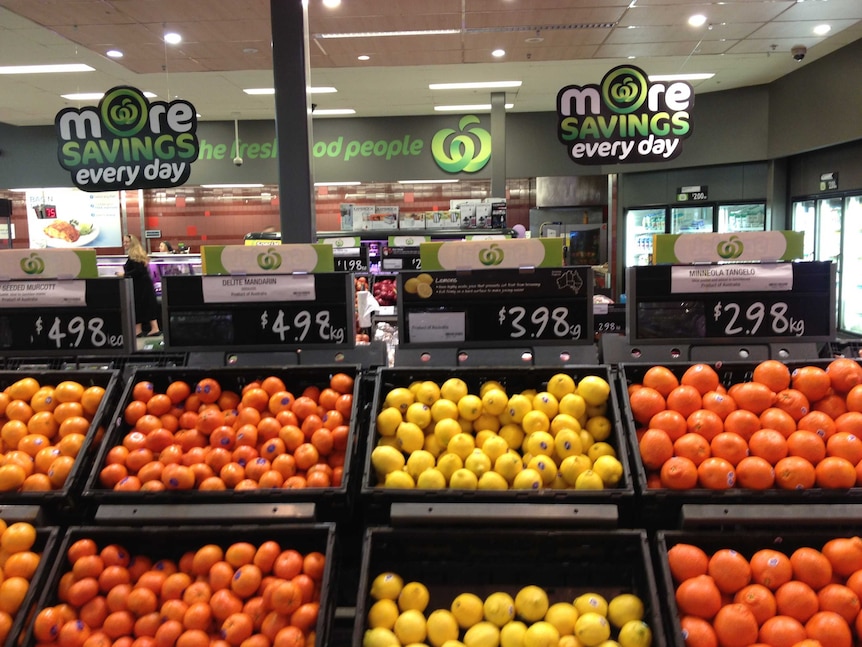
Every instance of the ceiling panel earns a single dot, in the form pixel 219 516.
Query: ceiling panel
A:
pixel 552 18
pixel 170 11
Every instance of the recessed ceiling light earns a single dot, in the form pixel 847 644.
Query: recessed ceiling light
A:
pixel 534 39
pixel 631 58
pixel 498 53
pixel 427 181
pixel 259 90
pixel 114 53
pixel 479 85
pixel 467 107
pixel 321 89
pixel 249 50
pixel 94 96
pixel 822 30
pixel 379 34
pixel 700 76
pixel 363 57
pixel 173 38
pixel 231 186
pixel 46 69
pixel 697 20
pixel 334 111
pixel 197 115
pixel 345 183
pixel 331 4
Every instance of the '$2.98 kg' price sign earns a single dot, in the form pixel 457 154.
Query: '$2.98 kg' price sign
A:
pixel 539 322
pixel 76 331
pixel 757 319
pixel 302 326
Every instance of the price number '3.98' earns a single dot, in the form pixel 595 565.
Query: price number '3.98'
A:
pixel 77 332
pixel 539 323
pixel 758 319
pixel 298 327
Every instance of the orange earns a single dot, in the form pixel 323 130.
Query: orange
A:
pixel 835 473
pixel 843 444
pixel 655 448
pixel 91 398
pixel 819 422
pixel 720 403
pixel 735 626
pixel 678 473
pixel 778 419
pixel 645 403
pixel 305 617
pixel 797 600
pixel 205 557
pixel 808 445
pixel 702 377
pixel 236 628
pixel 660 378
pixel 44 423
pixel 844 373
pixel 840 599
pixel 693 447
pixel 342 383
pixel 729 570
pixel 769 444
pixel 18 537
pixel 23 389
pixel 716 474
pixel 794 473
pixel 671 422
pixel 782 630
pixel 208 390
pixel 851 422
pixel 755 473
pixel 759 599
pixel 697 632
pixel 853 399
pixel 706 423
pixel 729 446
pixel 833 405
pixel 752 396
pixel 685 399
pixel 772 373
pixel 19 410
pixel 770 568
pixel 793 402
pixel 812 381
pixel 845 554
pixel 686 561
pixel 830 629
pixel 178 391
pixel 811 567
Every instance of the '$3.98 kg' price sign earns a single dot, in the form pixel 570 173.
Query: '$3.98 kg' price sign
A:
pixel 539 322
pixel 76 332
pixel 754 318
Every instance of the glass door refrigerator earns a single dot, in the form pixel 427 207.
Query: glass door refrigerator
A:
pixel 741 217
pixel 850 295
pixel 641 225
pixel 698 219
pixel 805 221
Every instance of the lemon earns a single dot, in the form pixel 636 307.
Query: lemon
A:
pixel 410 285
pixel 518 406
pixel 512 634
pixel 534 421
pixel 444 408
pixel 428 392
pixel 591 603
pixel 453 389
pixel 448 463
pixel 425 278
pixel 452 643
pixel 594 390
pixel 564 421
pixel 432 445
pixel 383 613
pixel 466 425
pixel 547 403
pixel 573 466
pixel 441 626
pixel 388 421
pixel 414 387
pixel 432 479
pixel 494 447
pixel 419 414
pixel 600 449
pixel 388 441
pixel 499 608
pixel 531 603
pixel 560 385
pixel 487 422
pixel 546 468
pixel 445 429
pixel 587 439
pixel 592 629
pixel 599 427
pixel 527 479
pixel 563 616
pixel 573 405
pixel 508 466
pixel 380 637
pixel 635 633
pixel 478 462
pixel 596 410
pixel 400 398
pixel 625 607
pixel 540 442
pixel 399 480
pixel 492 481
pixel 559 482
pixel 419 461
pixel 609 469
pixel 482 634
pixel 410 437
pixel 386 586
pixel 463 479
pixel 414 595
pixel 410 627
pixel 467 609
pixel 461 445
pixel 513 434
pixel 490 384
pixel 494 401
pixel 470 407
pixel 541 634
pixel 387 459
pixel 571 641
pixel 567 443
pixel 589 480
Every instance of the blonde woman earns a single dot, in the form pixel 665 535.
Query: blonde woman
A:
pixel 146 303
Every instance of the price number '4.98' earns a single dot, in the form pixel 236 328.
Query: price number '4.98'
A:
pixel 758 319
pixel 539 323
pixel 296 328
pixel 77 332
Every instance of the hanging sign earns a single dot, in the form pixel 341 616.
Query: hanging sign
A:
pixel 497 254
pixel 715 248
pixel 271 259
pixel 126 142
pixel 829 181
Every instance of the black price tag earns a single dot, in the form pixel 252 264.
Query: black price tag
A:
pixel 610 318
pixel 504 305
pixel 292 324
pixel 400 258
pixel 350 259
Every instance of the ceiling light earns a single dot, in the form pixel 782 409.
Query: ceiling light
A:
pixel 45 69
pixel 498 53
pixel 337 183
pixel 259 90
pixel 231 186
pixel 631 58
pixel 534 39
pixel 469 107
pixel 480 85
pixel 114 53
pixel 427 181
pixel 322 89
pixel 173 38
pixel 331 4
pixel 335 111
pixel 250 50
pixel 363 57
pixel 697 20
pixel 682 77
pixel 94 96
pixel 379 34
pixel 822 30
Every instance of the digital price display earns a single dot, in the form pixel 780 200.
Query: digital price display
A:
pixel 400 258
pixel 350 259
pixel 318 311
pixel 542 305
pixel 734 302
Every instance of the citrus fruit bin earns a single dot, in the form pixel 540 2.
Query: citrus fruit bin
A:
pixel 198 557
pixel 378 493
pixel 565 564
pixel 772 562
pixel 241 438
pixel 39 414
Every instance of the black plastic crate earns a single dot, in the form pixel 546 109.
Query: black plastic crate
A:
pixel 564 563
pixel 380 499
pixel 329 502
pixel 660 507
pixel 745 543
pixel 66 498
pixel 171 542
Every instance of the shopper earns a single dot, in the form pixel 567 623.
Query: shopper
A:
pixel 166 248
pixel 146 303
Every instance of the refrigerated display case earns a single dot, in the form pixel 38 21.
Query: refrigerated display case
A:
pixel 805 220
pixel 160 265
pixel 741 217
pixel 692 220
pixel 850 299
pixel 641 225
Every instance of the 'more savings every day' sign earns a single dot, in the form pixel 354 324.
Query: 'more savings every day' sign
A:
pixel 625 119
pixel 126 142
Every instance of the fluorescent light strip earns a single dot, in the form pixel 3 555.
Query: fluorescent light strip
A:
pixel 323 89
pixel 468 107
pixel 259 90
pixel 427 181
pixel 231 186
pixel 334 111
pixel 337 183
pixel 46 69
pixel 382 34
pixel 681 77
pixel 94 96
pixel 481 85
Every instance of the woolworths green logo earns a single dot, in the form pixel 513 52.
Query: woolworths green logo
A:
pixel 731 248
pixel 468 149
pixel 269 261
pixel 33 264
pixel 492 255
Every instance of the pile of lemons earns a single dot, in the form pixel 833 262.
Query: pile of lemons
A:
pixel 397 617
pixel 437 436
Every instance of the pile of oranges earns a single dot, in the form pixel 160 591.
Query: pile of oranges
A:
pixel 784 429
pixel 202 437
pixel 18 564
pixel 769 597
pixel 42 429
pixel 245 594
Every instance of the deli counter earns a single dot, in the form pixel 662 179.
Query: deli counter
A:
pixel 161 265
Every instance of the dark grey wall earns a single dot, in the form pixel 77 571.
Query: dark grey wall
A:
pixel 805 170
pixel 733 182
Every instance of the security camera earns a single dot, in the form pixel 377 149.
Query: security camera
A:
pixel 237 161
pixel 799 52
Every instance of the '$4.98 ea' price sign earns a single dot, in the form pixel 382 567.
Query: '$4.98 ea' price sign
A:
pixel 754 318
pixel 76 331
pixel 539 322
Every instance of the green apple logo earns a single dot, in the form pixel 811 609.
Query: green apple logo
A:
pixel 468 150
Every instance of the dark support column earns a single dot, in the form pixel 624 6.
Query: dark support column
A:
pixel 498 144
pixel 291 71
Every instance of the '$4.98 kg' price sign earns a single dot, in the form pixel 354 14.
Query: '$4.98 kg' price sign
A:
pixel 298 326
pixel 76 332
pixel 754 318
pixel 539 322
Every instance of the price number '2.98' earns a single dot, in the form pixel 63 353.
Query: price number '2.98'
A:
pixel 757 318
pixel 297 328
pixel 539 323
pixel 77 332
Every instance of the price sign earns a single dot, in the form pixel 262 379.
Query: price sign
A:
pixel 609 318
pixel 691 193
pixel 351 259
pixel 400 258
pixel 318 312
pixel 803 308
pixel 543 305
